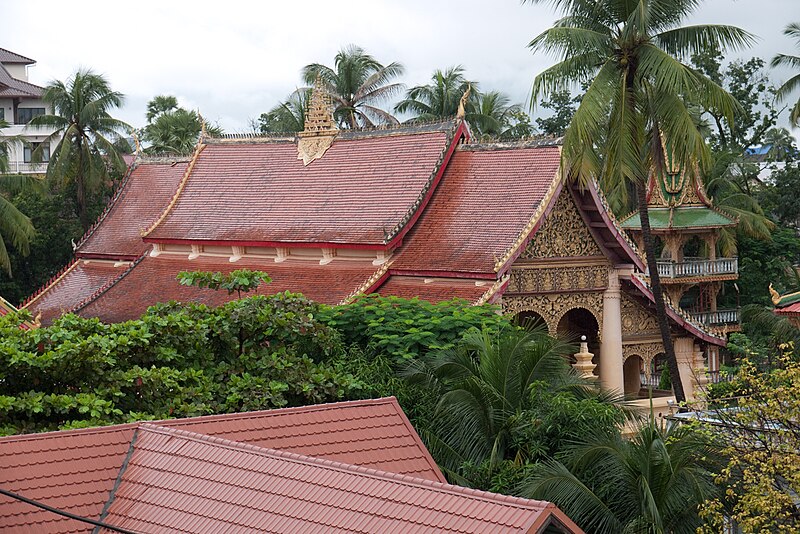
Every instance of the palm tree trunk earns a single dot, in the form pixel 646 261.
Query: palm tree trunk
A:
pixel 658 294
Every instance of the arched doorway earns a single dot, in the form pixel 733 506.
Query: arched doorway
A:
pixel 632 371
pixel 660 373
pixel 579 322
pixel 530 319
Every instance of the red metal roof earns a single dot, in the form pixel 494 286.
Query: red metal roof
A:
pixel 433 290
pixel 362 191
pixel 153 280
pixel 145 192
pixel 75 470
pixel 77 282
pixel 183 481
pixel 485 200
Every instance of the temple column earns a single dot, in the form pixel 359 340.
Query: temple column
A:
pixel 611 373
pixel 685 355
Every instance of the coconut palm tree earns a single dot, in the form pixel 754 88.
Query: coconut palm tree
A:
pixel 629 52
pixel 485 384
pixel 651 483
pixel 785 60
pixel 15 226
pixel 357 84
pixel 288 116
pixel 86 131
pixel 439 99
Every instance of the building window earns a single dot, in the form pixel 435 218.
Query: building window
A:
pixel 2 114
pixel 24 115
pixel 27 152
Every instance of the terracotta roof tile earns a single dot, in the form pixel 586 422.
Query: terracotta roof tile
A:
pixel 175 477
pixel 485 200
pixel 80 280
pixel 260 192
pixel 76 469
pixel 146 191
pixel 436 290
pixel 153 280
pixel 791 309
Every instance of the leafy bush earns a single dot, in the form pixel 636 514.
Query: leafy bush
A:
pixel 176 360
pixel 408 328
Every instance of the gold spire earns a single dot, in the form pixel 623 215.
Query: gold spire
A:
pixel 776 297
pixel 319 128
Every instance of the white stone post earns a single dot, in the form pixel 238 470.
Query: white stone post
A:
pixel 611 373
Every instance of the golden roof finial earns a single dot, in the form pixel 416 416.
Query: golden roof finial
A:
pixel 203 129
pixel 319 128
pixel 776 297
pixel 462 104
pixel 136 143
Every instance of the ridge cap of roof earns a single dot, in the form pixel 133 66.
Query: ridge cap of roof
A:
pixel 108 285
pixel 349 468
pixel 533 142
pixel 203 418
pixel 346 135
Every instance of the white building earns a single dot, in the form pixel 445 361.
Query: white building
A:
pixel 21 101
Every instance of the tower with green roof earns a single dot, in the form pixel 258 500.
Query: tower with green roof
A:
pixel 687 226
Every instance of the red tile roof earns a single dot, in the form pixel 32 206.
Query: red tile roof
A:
pixel 78 281
pixel 147 189
pixel 791 309
pixel 361 192
pixel 484 202
pixel 153 280
pixel 74 470
pixel 436 290
pixel 182 481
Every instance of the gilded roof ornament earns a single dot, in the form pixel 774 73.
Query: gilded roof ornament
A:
pixel 462 104
pixel 319 129
pixel 776 297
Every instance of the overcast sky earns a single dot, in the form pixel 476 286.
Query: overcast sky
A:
pixel 235 59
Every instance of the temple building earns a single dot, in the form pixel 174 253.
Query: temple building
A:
pixel 412 211
pixel 787 306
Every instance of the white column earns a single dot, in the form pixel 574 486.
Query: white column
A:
pixel 611 373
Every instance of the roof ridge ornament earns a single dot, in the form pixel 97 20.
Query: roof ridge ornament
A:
pixel 319 128
pixel 462 103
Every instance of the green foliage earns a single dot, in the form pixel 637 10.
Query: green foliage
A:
pixel 653 481
pixel 172 129
pixel 563 105
pixel 288 116
pixel 403 329
pixel 178 360
pixel 762 263
pixel 239 281
pixel 86 149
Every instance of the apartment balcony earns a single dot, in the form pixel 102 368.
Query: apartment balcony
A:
pixel 21 167
pixel 698 267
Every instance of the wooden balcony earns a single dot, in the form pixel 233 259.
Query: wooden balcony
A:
pixel 698 267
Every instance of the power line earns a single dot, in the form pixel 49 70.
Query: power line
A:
pixel 64 513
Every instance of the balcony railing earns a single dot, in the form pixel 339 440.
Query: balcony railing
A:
pixel 719 317
pixel 26 168
pixel 690 267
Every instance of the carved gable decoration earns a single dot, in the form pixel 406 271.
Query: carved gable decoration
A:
pixel 563 234
pixel 637 320
pixel 320 130
pixel 537 279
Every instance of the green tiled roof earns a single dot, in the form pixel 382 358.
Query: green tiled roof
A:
pixel 791 298
pixel 682 217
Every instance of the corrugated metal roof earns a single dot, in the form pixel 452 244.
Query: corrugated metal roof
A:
pixel 183 481
pixel 75 470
